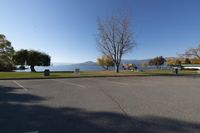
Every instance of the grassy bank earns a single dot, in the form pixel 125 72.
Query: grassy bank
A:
pixel 13 75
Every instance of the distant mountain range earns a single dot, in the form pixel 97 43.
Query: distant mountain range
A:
pixel 92 63
pixel 87 63
pixel 137 62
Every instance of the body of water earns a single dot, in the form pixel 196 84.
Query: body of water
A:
pixel 65 68
pixel 83 68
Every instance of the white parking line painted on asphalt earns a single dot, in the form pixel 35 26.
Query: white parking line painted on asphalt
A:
pixel 70 83
pixel 20 85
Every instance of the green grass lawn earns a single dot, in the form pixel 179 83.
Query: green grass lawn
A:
pixel 13 75
pixel 170 72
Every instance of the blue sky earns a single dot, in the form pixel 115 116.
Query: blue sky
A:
pixel 66 29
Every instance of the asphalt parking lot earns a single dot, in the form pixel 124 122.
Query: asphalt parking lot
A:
pixel 101 105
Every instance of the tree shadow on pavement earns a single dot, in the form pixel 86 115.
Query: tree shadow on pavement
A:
pixel 9 94
pixel 17 117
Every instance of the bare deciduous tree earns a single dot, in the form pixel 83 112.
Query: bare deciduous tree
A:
pixel 193 52
pixel 115 38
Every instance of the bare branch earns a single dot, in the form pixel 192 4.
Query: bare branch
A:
pixel 193 52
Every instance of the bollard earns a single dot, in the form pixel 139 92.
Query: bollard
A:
pixel 46 72
pixel 176 71
pixel 77 71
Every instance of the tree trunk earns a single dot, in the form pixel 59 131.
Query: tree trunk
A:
pixel 117 68
pixel 105 68
pixel 33 68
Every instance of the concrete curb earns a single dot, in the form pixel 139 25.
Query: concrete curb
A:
pixel 153 75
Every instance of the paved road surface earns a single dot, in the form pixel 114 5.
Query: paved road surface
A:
pixel 101 105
